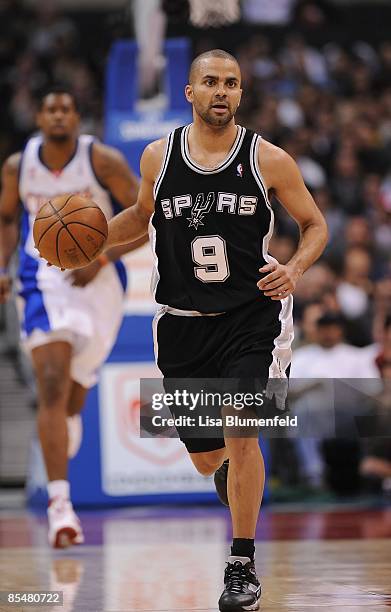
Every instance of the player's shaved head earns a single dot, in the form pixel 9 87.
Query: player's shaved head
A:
pixel 214 87
pixel 213 53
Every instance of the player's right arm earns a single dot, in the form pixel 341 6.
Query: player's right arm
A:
pixel 132 223
pixel 9 220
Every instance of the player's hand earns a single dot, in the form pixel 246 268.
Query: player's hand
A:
pixel 277 388
pixel 49 265
pixel 5 287
pixel 83 276
pixel 279 282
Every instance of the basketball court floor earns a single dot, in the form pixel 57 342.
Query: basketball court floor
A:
pixel 172 559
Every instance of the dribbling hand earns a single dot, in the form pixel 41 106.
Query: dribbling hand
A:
pixel 49 265
pixel 279 282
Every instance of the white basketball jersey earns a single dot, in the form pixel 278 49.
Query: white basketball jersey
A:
pixel 37 184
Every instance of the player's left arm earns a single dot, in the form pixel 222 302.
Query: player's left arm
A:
pixel 115 175
pixel 282 175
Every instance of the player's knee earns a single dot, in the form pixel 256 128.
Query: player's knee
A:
pixel 204 468
pixel 205 464
pixel 52 386
pixel 238 448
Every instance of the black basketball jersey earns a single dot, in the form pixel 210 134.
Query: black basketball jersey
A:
pixel 210 228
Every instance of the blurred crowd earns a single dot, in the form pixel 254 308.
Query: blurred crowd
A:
pixel 40 45
pixel 326 102
pixel 331 110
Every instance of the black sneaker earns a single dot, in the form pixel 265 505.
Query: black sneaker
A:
pixel 242 589
pixel 221 478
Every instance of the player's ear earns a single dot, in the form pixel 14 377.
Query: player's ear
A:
pixel 240 99
pixel 189 93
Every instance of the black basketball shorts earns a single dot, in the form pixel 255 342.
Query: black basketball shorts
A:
pixel 252 341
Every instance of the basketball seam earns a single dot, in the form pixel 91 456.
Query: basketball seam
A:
pixel 58 209
pixel 57 240
pixel 63 217
pixel 65 203
pixel 86 225
pixel 65 227
pixel 55 212
pixel 74 239
pixel 77 210
pixel 45 232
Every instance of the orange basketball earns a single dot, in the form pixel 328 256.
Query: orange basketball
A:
pixel 70 231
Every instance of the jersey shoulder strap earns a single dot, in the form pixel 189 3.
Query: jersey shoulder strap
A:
pixel 85 143
pixel 171 138
pixel 32 146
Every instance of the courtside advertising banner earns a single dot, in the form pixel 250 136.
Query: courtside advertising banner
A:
pixel 132 465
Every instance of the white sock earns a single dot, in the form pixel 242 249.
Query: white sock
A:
pixel 58 488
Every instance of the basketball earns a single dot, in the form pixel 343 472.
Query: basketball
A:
pixel 70 231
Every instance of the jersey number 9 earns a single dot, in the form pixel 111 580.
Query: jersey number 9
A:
pixel 210 255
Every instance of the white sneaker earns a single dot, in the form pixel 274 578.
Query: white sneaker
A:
pixel 64 526
pixel 75 434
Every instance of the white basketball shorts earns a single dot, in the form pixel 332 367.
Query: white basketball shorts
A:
pixel 87 317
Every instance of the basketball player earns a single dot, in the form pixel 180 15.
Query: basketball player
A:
pixel 69 320
pixel 226 303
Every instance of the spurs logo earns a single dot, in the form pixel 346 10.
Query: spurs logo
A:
pixel 200 208
pixel 202 204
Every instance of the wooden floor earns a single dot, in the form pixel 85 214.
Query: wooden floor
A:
pixel 168 560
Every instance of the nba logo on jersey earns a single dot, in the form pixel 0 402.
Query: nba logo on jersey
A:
pixel 239 170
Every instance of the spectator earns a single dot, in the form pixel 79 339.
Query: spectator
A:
pixel 346 184
pixel 335 218
pixel 375 466
pixel 315 283
pixel 51 29
pixel 308 330
pixel 328 357
pixel 354 294
pixel 370 148
pixel 313 16
pixel 304 62
pixel 384 75
pixel 298 145
pixel 383 359
pixel 355 287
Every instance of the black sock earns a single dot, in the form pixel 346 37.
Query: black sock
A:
pixel 243 547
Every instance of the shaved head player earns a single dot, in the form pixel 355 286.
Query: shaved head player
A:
pixel 226 303
pixel 69 321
